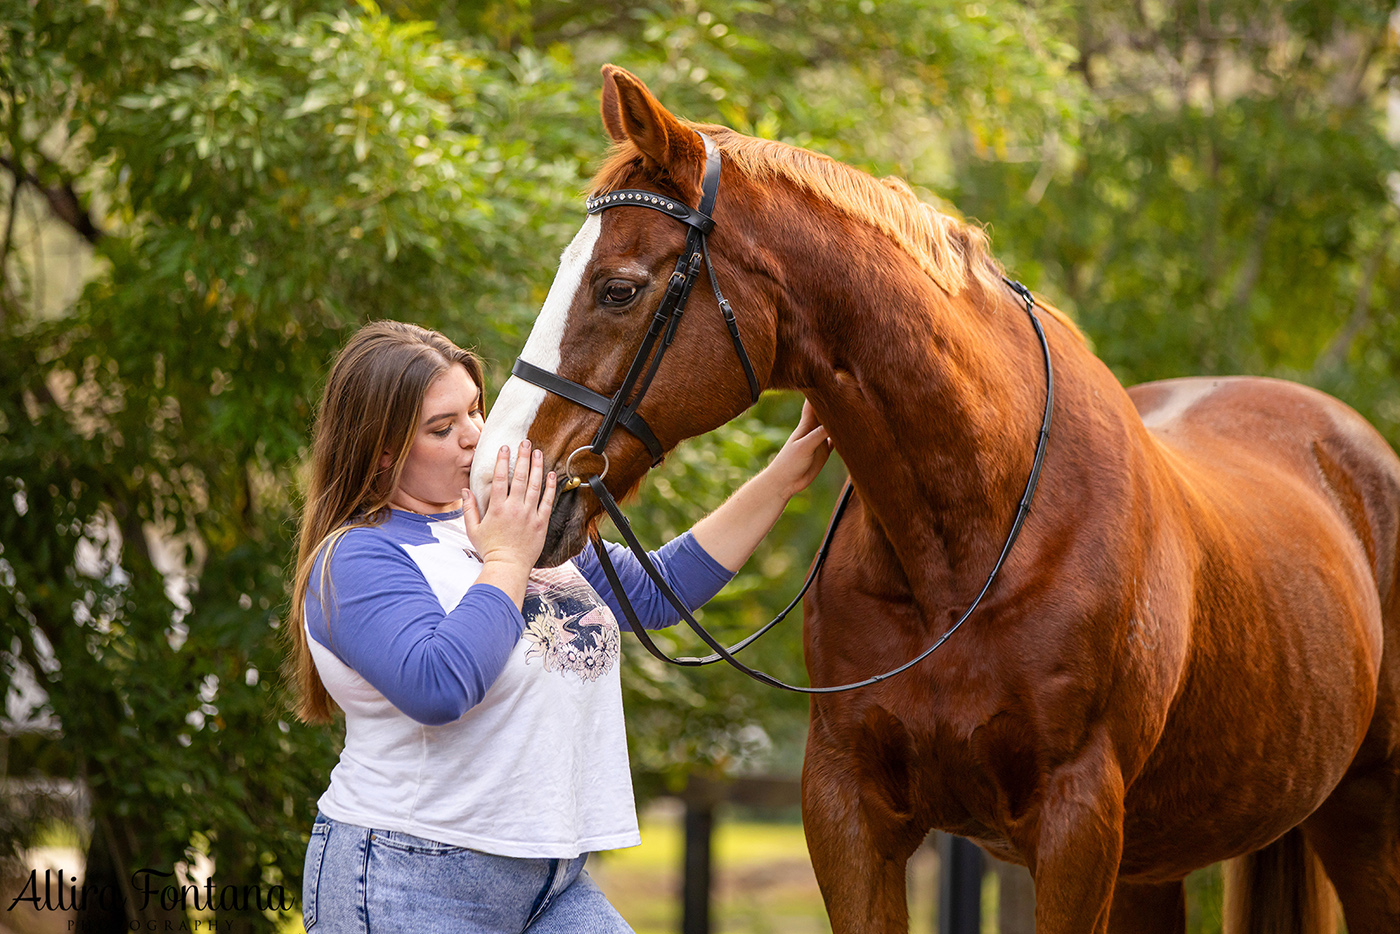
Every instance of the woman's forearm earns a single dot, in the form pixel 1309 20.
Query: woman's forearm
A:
pixel 732 532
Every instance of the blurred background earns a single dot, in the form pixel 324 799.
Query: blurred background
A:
pixel 200 201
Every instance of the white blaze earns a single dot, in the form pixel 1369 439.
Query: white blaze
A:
pixel 514 410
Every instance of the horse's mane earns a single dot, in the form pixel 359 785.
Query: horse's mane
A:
pixel 953 253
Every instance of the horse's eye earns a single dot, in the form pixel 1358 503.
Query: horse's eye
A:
pixel 618 292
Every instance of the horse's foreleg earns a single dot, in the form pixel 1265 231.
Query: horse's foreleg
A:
pixel 1148 909
pixel 1079 844
pixel 859 845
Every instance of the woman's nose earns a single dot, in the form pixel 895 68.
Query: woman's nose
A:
pixel 471 433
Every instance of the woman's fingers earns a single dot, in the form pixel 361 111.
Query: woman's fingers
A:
pixel 528 482
pixel 536 477
pixel 471 516
pixel 542 487
pixel 805 452
pixel 514 527
pixel 807 421
pixel 547 499
pixel 807 426
pixel 523 466
pixel 499 482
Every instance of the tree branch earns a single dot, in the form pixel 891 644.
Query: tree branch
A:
pixel 63 201
pixel 5 247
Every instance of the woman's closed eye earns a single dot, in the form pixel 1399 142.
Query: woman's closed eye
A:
pixel 442 432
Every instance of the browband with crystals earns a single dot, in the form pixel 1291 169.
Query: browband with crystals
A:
pixel 648 199
pixel 700 218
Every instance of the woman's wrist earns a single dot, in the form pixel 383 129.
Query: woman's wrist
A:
pixel 509 575
pixel 772 486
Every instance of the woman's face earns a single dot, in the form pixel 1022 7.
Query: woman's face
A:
pixel 444 441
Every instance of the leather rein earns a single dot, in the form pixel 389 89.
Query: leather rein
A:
pixel 621 409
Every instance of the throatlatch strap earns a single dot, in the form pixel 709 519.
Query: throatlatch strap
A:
pixel 729 321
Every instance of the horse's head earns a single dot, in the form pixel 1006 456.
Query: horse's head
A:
pixel 612 282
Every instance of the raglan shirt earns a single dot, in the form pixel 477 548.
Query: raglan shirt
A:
pixel 466 720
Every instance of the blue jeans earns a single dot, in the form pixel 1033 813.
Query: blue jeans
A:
pixel 364 881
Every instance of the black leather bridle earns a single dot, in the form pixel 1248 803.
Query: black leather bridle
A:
pixel 621 409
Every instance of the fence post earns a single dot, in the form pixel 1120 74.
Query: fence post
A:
pixel 701 797
pixel 699 829
pixel 960 886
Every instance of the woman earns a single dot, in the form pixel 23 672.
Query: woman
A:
pixel 484 753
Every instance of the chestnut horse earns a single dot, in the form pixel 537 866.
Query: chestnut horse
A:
pixel 1193 651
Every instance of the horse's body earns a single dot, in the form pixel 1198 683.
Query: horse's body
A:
pixel 1195 644
pixel 1193 656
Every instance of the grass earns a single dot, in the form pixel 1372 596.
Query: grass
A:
pixel 763 882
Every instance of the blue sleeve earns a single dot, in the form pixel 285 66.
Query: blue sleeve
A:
pixel 388 625
pixel 688 568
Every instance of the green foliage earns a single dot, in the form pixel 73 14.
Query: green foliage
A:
pixel 1229 207
pixel 270 176
pixel 1207 188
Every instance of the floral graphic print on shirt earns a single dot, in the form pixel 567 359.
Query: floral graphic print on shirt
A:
pixel 567 626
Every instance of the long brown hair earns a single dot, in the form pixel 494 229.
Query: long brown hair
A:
pixel 372 402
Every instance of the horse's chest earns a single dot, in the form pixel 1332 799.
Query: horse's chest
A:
pixel 923 757
pixel 962 740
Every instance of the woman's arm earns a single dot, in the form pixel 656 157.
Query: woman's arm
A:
pixel 698 564
pixel 732 532
pixel 683 564
pixel 378 615
pixel 384 621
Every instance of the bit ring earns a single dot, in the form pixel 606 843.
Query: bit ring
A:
pixel 574 482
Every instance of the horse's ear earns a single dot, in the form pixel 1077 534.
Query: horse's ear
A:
pixel 612 116
pixel 630 112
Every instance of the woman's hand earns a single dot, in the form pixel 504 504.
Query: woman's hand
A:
pixel 510 536
pixel 802 456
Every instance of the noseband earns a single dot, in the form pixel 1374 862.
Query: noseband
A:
pixel 617 410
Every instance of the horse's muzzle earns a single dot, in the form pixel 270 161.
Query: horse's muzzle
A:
pixel 567 534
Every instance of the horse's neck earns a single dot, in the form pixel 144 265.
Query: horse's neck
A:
pixel 935 406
